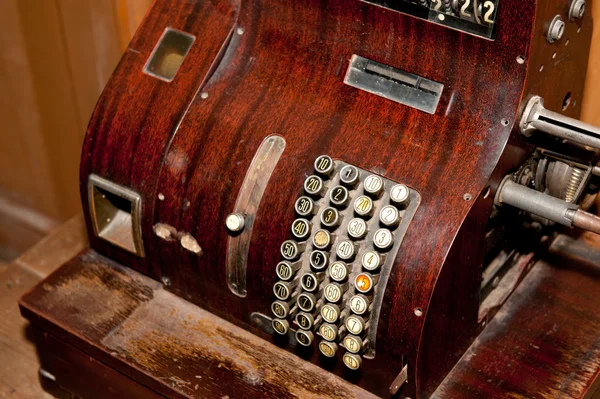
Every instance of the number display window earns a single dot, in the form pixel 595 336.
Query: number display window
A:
pixel 477 17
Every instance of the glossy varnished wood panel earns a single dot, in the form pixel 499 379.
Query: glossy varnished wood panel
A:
pixel 284 76
pixel 282 73
pixel 138 114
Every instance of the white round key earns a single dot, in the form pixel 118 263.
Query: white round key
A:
pixel 357 228
pixel 330 313
pixel 359 304
pixel 328 331
pixel 383 239
pixel 328 348
pixel 353 343
pixel 355 324
pixel 400 194
pixel 333 292
pixel 373 185
pixel 371 260
pixel 345 250
pixel 352 361
pixel 389 216
pixel 338 271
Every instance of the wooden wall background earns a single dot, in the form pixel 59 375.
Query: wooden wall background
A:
pixel 55 57
pixel 591 98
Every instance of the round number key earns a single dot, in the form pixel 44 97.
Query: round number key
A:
pixel 319 260
pixel 333 292
pixel 338 271
pixel 328 348
pixel 301 229
pixel 359 304
pixel 330 217
pixel 290 250
pixel 310 281
pixel 352 361
pixel 349 175
pixel 364 283
pixel 383 239
pixel 306 301
pixel 389 216
pixel 373 185
pixel 304 338
pixel 313 185
pixel 371 260
pixel 355 324
pixel 328 331
pixel 322 239
pixel 363 206
pixel 330 313
pixel 286 270
pixel 353 343
pixel 400 195
pixel 339 196
pixel 280 309
pixel 304 206
pixel 357 228
pixel 305 320
pixel 280 326
pixel 324 165
pixel 282 290
pixel 345 250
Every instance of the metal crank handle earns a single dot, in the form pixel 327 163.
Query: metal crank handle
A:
pixel 546 206
pixel 536 117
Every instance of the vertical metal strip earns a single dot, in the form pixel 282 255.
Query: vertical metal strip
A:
pixel 248 201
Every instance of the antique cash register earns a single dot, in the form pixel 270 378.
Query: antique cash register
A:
pixel 359 191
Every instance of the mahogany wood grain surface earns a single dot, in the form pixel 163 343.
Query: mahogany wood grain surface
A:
pixel 276 68
pixel 544 343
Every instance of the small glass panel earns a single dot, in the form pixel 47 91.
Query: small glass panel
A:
pixel 168 55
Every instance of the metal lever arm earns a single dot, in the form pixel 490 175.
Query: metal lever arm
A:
pixel 536 117
pixel 546 206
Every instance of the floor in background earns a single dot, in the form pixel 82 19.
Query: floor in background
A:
pixel 18 358
pixel 19 363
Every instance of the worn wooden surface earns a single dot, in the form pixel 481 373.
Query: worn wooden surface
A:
pixel 544 343
pixel 127 321
pixel 282 73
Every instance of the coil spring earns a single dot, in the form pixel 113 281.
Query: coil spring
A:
pixel 573 184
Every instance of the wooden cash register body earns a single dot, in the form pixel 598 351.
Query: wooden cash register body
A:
pixel 261 68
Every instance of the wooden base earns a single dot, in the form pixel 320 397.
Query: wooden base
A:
pixel 105 330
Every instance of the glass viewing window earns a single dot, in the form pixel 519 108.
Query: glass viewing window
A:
pixel 168 55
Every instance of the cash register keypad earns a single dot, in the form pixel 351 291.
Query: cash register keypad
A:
pixel 331 278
